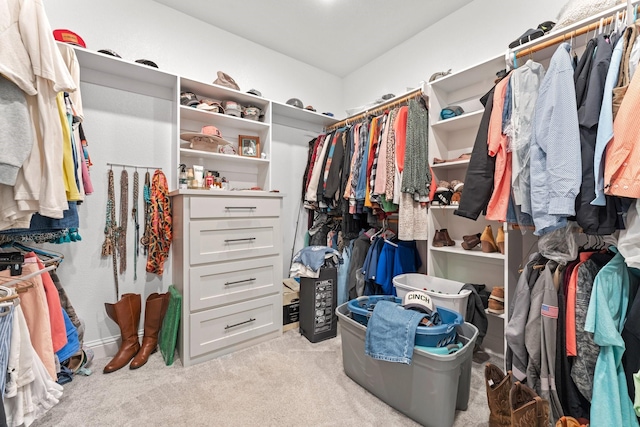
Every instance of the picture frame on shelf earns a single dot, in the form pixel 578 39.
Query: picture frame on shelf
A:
pixel 249 146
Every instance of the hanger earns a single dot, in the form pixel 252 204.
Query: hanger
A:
pixel 50 256
pixel 8 299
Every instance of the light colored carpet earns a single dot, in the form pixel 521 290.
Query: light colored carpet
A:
pixel 287 381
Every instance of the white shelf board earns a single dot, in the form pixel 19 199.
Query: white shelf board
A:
pixel 118 73
pixel 457 164
pixel 444 208
pixel 464 121
pixel 471 75
pixel 240 193
pixel 458 250
pixel 227 158
pixel 284 114
pixel 221 93
pixel 501 316
pixel 190 113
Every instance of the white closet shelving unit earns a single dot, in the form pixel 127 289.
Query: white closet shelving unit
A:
pixel 448 139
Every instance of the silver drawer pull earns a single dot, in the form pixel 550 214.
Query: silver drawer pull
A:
pixel 247 239
pixel 238 324
pixel 240 207
pixel 240 281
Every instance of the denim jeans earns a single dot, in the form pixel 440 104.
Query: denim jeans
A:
pixel 391 332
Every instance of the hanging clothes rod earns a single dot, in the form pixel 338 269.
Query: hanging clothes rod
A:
pixel 124 165
pixel 379 108
pixel 605 18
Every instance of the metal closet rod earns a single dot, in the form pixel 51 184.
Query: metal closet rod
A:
pixel 580 31
pixel 391 103
pixel 124 165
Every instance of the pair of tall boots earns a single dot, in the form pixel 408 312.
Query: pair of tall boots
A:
pixel 126 313
pixel 513 405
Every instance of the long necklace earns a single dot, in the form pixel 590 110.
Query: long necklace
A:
pixel 124 217
pixel 146 236
pixel 111 230
pixel 134 214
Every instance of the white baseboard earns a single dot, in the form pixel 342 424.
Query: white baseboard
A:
pixel 107 347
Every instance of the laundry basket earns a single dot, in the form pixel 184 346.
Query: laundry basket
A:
pixel 444 293
pixel 433 336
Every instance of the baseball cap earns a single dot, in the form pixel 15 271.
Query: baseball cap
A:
pixel 109 52
pixel 232 108
pixel 147 63
pixel 210 105
pixel 188 99
pixel 68 36
pixel 419 301
pixel 254 92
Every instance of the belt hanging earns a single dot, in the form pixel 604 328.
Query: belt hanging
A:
pixel 111 230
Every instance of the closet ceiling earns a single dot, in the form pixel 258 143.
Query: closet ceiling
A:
pixel 338 36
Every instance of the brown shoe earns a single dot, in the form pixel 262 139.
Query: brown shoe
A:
pixel 498 386
pixel 496 300
pixel 438 240
pixel 527 408
pixel 154 312
pixel 567 422
pixel 500 240
pixel 445 236
pixel 470 241
pixel 126 313
pixel 488 244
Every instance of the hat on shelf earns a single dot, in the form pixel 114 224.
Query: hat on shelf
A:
pixel 326 113
pixel 188 99
pixel 109 52
pixel 68 36
pixel 451 111
pixel 232 108
pixel 212 105
pixel 254 92
pixel 295 102
pixel 252 113
pixel 147 63
pixel 439 75
pixel 226 80
pixel 310 108
pixel 208 139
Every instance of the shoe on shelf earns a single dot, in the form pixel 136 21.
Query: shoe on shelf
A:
pixel 443 194
pixel 456 187
pixel 471 241
pixel 488 243
pixel 500 240
pixel 496 300
pixel 568 422
pixel 441 238
pixel 447 238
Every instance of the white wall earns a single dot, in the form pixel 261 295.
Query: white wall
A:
pixel 191 48
pixel 476 32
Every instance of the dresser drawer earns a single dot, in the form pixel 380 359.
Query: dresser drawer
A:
pixel 229 325
pixel 231 239
pixel 234 207
pixel 230 282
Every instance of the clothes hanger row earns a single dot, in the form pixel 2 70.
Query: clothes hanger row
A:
pixel 8 298
pixel 24 287
pixel 136 167
pixel 48 257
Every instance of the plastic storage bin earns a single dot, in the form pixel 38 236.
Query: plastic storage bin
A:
pixel 428 391
pixel 443 292
pixel 434 336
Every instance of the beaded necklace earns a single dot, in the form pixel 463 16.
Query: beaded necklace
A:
pixel 134 214
pixel 111 230
pixel 124 216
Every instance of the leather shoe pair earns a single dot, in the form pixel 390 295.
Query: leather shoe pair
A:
pixel 471 241
pixel 442 238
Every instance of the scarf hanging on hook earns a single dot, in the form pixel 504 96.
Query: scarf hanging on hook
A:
pixel 161 224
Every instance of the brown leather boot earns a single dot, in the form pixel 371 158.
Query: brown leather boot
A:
pixel 438 240
pixel 487 242
pixel 527 408
pixel 154 312
pixel 126 313
pixel 446 238
pixel 498 386
pixel 470 241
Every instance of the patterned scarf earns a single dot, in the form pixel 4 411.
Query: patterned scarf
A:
pixel 161 224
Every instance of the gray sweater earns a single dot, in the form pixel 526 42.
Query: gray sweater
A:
pixel 16 137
